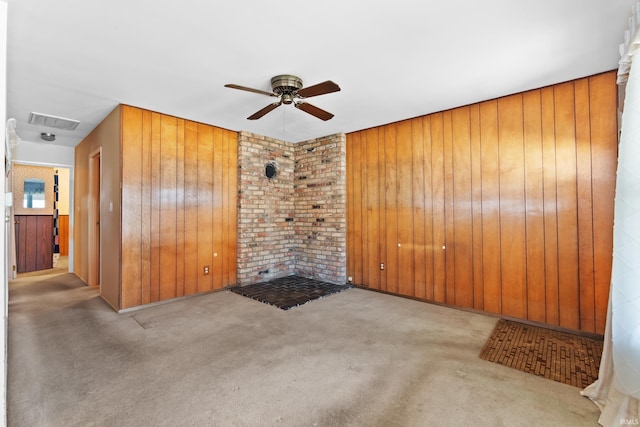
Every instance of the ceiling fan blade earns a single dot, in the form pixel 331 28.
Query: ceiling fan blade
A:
pixel 249 89
pixel 319 89
pixel 265 110
pixel 314 111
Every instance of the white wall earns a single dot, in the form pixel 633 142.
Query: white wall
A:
pixel 43 154
pixel 5 276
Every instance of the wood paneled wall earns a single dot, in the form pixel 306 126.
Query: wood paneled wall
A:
pixel 179 201
pixel 505 206
pixel 63 221
pixel 34 242
pixel 105 138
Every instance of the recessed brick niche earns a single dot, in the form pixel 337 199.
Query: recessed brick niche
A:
pixel 295 222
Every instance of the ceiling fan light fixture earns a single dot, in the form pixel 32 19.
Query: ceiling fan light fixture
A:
pixel 287 98
pixel 48 136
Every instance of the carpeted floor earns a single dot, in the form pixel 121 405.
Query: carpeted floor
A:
pixel 61 268
pixel 560 356
pixel 357 358
pixel 288 292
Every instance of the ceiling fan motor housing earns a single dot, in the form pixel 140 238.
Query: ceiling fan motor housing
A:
pixel 286 85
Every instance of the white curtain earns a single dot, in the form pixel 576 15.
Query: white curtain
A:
pixel 617 390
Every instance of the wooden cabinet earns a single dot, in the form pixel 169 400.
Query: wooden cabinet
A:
pixel 34 242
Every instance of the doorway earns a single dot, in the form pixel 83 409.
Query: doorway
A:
pixel 95 183
pixel 36 240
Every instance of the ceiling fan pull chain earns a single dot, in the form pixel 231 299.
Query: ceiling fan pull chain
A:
pixel 284 120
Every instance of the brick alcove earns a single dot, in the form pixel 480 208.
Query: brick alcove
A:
pixel 295 222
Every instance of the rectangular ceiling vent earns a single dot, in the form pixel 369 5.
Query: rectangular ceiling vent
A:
pixel 52 121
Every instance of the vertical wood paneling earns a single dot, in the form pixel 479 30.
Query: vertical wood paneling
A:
pixel 391 208
pixel 351 241
pixel 567 206
pixel 534 196
pixel 180 209
pixel 438 200
pixel 205 207
pixel 373 209
pixel 431 246
pixel 419 214
pixel 100 150
pixel 146 231
pixel 449 203
pixel 476 206
pixel 357 211
pixel 491 248
pixel 512 206
pixel 224 268
pixel 462 225
pixel 604 148
pixel 171 189
pixel 218 208
pixel 230 185
pixel 585 207
pixel 34 242
pixel 520 190
pixel 44 242
pixel 191 270
pixel 232 253
pixel 31 243
pixel 131 195
pixel 550 206
pixel 156 190
pixel 405 243
pixel 63 221
pixel 382 188
pixel 364 182
pixel 168 208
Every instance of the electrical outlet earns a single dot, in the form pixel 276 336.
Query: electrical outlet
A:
pixel 205 271
pixel 382 266
pixel 349 279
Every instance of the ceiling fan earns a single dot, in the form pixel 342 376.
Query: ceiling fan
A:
pixel 290 91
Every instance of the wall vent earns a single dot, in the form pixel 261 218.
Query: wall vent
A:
pixel 39 119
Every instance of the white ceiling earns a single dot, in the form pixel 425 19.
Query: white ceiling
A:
pixel 393 59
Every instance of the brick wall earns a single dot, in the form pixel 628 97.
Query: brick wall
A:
pixel 320 205
pixel 265 209
pixel 294 223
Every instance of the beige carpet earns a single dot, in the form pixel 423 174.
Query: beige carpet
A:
pixel 61 267
pixel 358 358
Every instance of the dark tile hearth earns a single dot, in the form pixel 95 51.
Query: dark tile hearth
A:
pixel 288 292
